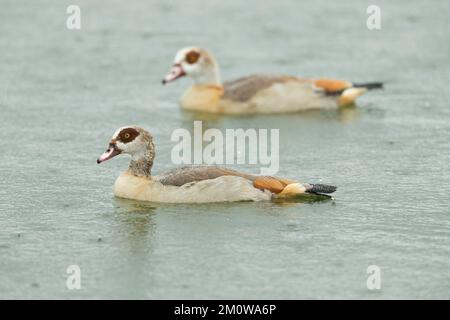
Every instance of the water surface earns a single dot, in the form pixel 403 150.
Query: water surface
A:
pixel 63 93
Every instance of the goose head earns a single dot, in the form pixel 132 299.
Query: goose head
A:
pixel 137 143
pixel 196 63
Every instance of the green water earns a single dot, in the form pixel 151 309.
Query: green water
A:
pixel 63 93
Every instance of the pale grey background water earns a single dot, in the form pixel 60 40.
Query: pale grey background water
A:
pixel 63 93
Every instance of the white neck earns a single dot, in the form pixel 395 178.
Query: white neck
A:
pixel 209 76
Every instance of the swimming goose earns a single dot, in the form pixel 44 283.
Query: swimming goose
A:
pixel 256 93
pixel 192 184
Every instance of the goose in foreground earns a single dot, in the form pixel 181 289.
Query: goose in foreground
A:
pixel 193 184
pixel 256 93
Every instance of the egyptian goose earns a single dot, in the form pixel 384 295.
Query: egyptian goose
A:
pixel 192 184
pixel 256 93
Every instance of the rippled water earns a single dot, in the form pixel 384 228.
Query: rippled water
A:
pixel 63 93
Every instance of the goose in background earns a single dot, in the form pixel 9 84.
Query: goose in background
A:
pixel 258 93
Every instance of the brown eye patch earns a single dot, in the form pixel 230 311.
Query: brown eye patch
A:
pixel 192 57
pixel 127 135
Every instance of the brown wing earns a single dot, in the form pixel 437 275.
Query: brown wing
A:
pixel 243 89
pixel 332 86
pixel 183 175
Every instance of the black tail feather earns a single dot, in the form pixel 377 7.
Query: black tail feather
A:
pixel 321 188
pixel 369 85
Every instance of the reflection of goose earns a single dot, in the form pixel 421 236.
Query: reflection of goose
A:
pixel 192 184
pixel 136 224
pixel 257 93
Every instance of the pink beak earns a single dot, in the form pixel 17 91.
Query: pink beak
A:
pixel 175 73
pixel 108 154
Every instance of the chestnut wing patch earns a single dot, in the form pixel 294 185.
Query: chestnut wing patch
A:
pixel 332 86
pixel 273 184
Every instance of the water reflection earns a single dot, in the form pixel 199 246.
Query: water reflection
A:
pixel 306 198
pixel 346 114
pixel 209 119
pixel 139 214
pixel 133 206
pixel 136 221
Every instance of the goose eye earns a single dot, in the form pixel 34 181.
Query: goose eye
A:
pixel 128 135
pixel 192 57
